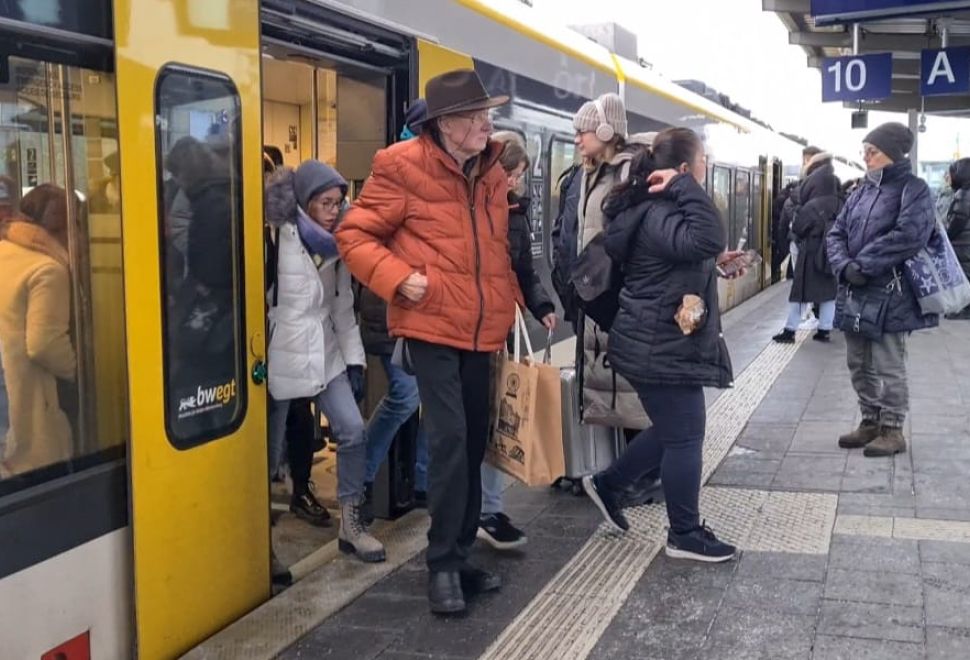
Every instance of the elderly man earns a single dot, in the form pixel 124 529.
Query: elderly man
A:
pixel 429 234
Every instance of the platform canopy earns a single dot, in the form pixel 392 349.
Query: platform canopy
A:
pixel 824 29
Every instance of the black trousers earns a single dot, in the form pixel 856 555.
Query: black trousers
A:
pixel 454 390
pixel 299 444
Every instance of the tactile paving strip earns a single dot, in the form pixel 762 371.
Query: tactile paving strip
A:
pixel 566 619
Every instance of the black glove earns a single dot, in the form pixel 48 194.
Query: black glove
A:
pixel 355 374
pixel 853 275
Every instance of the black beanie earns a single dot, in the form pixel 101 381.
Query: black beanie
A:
pixel 893 139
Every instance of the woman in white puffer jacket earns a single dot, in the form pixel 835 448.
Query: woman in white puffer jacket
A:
pixel 315 349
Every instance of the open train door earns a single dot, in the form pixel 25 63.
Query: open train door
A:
pixel 188 77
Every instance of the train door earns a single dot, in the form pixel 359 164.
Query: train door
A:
pixel 188 80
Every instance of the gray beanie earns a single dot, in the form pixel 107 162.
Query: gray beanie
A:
pixel 614 112
pixel 893 139
pixel 312 178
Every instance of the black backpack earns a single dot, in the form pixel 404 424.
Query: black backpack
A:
pixel 597 281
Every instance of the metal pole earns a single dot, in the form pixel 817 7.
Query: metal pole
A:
pixel 944 36
pixel 77 233
pixel 51 124
pixel 914 126
pixel 856 37
pixel 315 112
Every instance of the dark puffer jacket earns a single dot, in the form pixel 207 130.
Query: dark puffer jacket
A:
pixel 667 247
pixel 958 227
pixel 373 324
pixel 815 203
pixel 886 221
pixel 520 249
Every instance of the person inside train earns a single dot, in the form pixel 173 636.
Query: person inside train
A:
pixel 957 220
pixel 35 331
pixel 402 240
pixel 315 349
pixel 666 339
pixel 812 207
pixel 495 527
pixel 887 220
pixel 780 243
pixel 401 401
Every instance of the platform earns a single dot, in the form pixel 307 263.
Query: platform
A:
pixel 842 556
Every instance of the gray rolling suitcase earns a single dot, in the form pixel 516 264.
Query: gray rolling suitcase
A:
pixel 587 448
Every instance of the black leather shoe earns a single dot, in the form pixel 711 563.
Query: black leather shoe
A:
pixel 307 507
pixel 444 593
pixel 477 581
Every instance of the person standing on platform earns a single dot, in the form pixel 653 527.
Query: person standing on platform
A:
pixel 814 203
pixel 958 220
pixel 429 235
pixel 667 235
pixel 887 220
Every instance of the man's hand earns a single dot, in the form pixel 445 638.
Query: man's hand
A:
pixel 414 287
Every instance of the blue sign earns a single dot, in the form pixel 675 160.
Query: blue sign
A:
pixel 945 71
pixel 833 11
pixel 857 77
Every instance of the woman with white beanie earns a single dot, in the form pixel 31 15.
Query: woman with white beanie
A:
pixel 607 152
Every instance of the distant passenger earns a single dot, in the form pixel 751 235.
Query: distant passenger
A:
pixel 945 196
pixel 888 219
pixel 429 235
pixel 667 235
pixel 315 349
pixel 35 331
pixel 813 205
pixel 958 219
pixel 779 231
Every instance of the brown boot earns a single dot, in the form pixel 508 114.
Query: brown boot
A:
pixel 889 442
pixel 867 432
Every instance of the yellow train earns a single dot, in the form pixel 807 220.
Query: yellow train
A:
pixel 152 531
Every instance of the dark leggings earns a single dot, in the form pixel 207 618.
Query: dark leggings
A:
pixel 671 448
pixel 299 444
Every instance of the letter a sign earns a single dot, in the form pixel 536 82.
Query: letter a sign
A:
pixel 945 71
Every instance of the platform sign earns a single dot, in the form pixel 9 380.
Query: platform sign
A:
pixel 944 71
pixel 847 11
pixel 857 77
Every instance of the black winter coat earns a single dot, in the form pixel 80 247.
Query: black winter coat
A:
pixel 958 227
pixel 815 203
pixel 666 247
pixel 520 247
pixel 564 240
pixel 373 324
pixel 886 221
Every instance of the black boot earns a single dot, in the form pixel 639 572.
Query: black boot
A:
pixel 477 581
pixel 307 507
pixel 823 336
pixel 444 592
pixel 786 336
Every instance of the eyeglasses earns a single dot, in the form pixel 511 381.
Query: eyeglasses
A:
pixel 327 204
pixel 478 117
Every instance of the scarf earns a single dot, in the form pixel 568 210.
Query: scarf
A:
pixel 318 240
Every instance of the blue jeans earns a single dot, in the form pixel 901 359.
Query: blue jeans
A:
pixel 826 315
pixel 672 448
pixel 493 483
pixel 337 403
pixel 397 406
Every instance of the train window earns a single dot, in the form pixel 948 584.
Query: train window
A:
pixel 200 226
pixel 721 194
pixel 63 381
pixel 742 209
pixel 563 155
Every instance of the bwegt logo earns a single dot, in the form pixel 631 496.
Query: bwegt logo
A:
pixel 207 398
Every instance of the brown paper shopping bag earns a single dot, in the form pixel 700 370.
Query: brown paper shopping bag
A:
pixel 526 438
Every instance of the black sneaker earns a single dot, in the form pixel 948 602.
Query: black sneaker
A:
pixel 307 507
pixel 606 502
pixel 498 531
pixel 699 544
pixel 786 336
pixel 823 336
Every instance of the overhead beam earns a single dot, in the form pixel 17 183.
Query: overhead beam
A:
pixel 905 102
pixel 872 42
pixel 901 68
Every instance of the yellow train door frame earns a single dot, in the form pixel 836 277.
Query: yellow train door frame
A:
pixel 200 519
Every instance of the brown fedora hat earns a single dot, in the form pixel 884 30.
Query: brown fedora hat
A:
pixel 457 91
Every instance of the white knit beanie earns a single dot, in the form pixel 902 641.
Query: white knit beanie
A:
pixel 588 118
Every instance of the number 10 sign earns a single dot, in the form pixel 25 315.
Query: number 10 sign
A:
pixel 857 77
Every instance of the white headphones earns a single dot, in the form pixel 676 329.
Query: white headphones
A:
pixel 604 132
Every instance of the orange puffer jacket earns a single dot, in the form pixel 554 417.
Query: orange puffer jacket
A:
pixel 420 212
